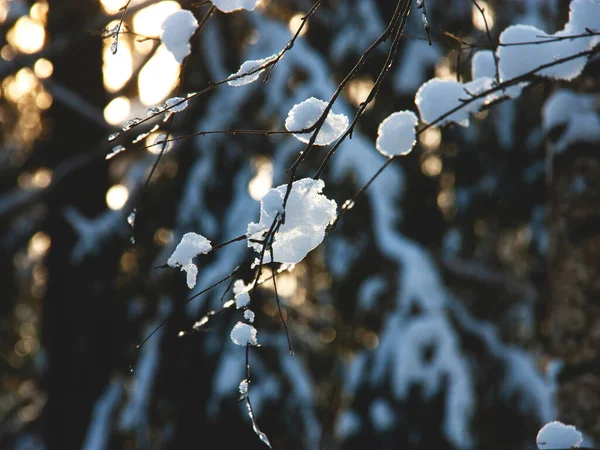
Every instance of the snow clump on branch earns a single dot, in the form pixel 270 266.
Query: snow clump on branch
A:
pixel 557 435
pixel 244 334
pixel 517 60
pixel 438 97
pixel 304 115
pixel 307 214
pixel 396 134
pixel 176 31
pixel 248 67
pixel 228 6
pixel 191 245
pixel 483 64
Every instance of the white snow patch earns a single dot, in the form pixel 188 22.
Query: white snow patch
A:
pixel 176 31
pixel 307 214
pixel 517 60
pixel 483 64
pixel 304 115
pixel 438 97
pixel 557 435
pixel 382 415
pixel 251 67
pixel 239 286
pixel 561 106
pixel 396 134
pixel 228 6
pixel 347 424
pixel 244 334
pixel 577 112
pixel 249 315
pixel 242 299
pixel 191 245
pixel 584 14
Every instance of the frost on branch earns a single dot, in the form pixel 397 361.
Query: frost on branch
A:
pixel 243 388
pixel 176 104
pixel 437 97
pixel 243 334
pixel 307 214
pixel 396 134
pixel 191 245
pixel 176 31
pixel 228 6
pixel 304 115
pixel 248 67
pixel 557 435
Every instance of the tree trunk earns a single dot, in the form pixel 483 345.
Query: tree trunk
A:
pixel 574 273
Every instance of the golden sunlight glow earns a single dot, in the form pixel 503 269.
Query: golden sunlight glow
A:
pixel 22 84
pixel 117 111
pixel 446 202
pixel 157 149
pixel 43 68
pixel 358 90
pixel 38 245
pixel 295 23
pixel 263 180
pixel 3 10
pixel 431 166
pixel 163 236
pixel 42 177
pixel 7 53
pixel 43 100
pixel 39 11
pixel 118 68
pixel 158 77
pixel 147 21
pixel 443 69
pixel 117 196
pixel 477 18
pixel 430 139
pixel 27 35
pixel 112 6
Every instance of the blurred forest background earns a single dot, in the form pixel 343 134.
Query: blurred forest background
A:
pixel 456 306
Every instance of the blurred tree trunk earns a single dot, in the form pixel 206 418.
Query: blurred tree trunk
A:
pixel 77 325
pixel 574 273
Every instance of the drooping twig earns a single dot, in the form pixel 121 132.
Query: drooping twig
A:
pixel 287 334
pixel 117 30
pixel 489 36
pixel 425 19
pixel 373 93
